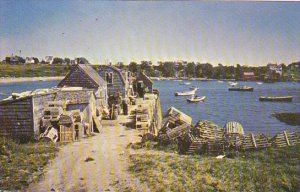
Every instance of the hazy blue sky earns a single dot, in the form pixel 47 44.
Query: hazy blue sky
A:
pixel 252 33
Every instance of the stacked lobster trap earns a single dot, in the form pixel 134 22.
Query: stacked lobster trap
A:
pixel 207 137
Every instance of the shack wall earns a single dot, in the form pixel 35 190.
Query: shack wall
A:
pixel 118 84
pixel 16 118
pixel 40 102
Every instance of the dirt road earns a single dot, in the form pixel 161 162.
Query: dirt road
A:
pixel 71 170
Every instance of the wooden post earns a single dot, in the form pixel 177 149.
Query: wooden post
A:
pixel 253 140
pixel 286 138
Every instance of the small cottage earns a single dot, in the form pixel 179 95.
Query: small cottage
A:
pixel 85 76
pixel 116 82
pixel 21 114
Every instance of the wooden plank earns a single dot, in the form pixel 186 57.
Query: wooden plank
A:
pixel 253 140
pixel 286 138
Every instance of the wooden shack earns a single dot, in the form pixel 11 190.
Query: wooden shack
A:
pixel 116 83
pixel 83 75
pixel 21 117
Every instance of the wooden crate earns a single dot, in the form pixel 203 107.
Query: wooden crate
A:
pixel 66 134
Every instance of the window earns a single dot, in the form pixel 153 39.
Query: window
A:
pixel 109 78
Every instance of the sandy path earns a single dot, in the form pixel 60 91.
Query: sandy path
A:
pixel 69 171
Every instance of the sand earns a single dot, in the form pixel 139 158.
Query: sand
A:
pixel 69 171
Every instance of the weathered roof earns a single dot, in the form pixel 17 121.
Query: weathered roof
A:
pixel 144 77
pixel 92 73
pixel 87 70
pixel 104 67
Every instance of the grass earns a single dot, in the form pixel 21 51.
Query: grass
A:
pixel 33 70
pixel 22 164
pixel 264 170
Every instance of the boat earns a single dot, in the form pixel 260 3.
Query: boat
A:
pixel 195 99
pixel 243 88
pixel 220 81
pixel 232 84
pixel 187 93
pixel 193 87
pixel 259 83
pixel 184 83
pixel 277 99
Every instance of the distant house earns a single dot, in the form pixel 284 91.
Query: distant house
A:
pixel 85 76
pixel 116 82
pixel 49 59
pixel 29 60
pixel 274 67
pixel 248 76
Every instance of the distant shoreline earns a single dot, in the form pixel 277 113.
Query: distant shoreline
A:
pixel 28 79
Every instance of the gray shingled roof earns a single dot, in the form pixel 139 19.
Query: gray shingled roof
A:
pixel 92 73
pixel 103 67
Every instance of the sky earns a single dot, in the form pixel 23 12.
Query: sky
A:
pixel 247 33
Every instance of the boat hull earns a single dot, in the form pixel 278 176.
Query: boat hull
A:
pixel 184 94
pixel 201 99
pixel 277 99
pixel 240 89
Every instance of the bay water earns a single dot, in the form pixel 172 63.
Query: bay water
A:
pixel 220 105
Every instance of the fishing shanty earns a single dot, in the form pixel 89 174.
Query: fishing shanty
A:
pixel 76 106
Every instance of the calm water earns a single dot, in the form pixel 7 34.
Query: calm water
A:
pixel 220 105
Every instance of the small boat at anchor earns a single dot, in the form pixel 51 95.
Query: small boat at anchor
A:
pixel 195 99
pixel 232 84
pixel 187 93
pixel 184 83
pixel 277 99
pixel 193 87
pixel 243 88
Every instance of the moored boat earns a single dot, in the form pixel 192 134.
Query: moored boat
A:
pixel 187 93
pixel 184 83
pixel 196 99
pixel 243 88
pixel 232 84
pixel 277 99
pixel 193 87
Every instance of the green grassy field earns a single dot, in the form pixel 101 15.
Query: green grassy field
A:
pixel 263 170
pixel 33 70
pixel 22 164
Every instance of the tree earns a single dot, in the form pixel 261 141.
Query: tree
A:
pixel 7 60
pixel 238 72
pixel 190 69
pixel 199 72
pixel 209 70
pixel 68 61
pixel 217 73
pixel 132 67
pixel 57 60
pixel 36 60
